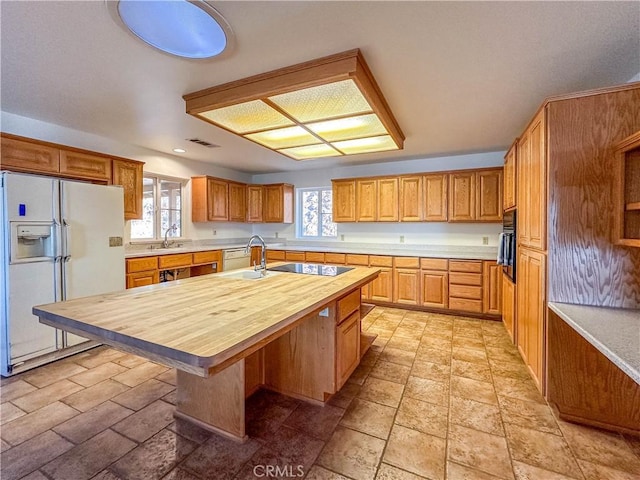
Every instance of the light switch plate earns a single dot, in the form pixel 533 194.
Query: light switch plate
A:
pixel 115 241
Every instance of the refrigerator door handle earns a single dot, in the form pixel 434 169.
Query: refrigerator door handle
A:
pixel 57 249
pixel 66 256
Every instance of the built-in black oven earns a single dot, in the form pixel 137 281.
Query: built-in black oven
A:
pixel 507 247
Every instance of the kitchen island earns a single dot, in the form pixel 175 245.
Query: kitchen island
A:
pixel 294 333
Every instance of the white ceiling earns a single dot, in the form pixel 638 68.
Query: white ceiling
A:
pixel 459 76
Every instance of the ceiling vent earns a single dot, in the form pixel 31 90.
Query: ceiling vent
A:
pixel 203 143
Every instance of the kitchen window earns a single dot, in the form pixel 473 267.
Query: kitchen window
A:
pixel 315 217
pixel 161 208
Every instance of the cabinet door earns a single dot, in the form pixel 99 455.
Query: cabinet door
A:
pixel 347 348
pixel 462 197
pixel 523 176
pixel 29 157
pixel 381 289
pixel 406 286
pixel 128 174
pixel 278 203
pixel 537 193
pixel 436 188
pixel 255 195
pixel 83 165
pixel 435 289
pixel 387 199
pixel 344 200
pixel 141 279
pixel 366 200
pixel 489 195
pixel 491 288
pixel 509 306
pixel 237 202
pixel 410 201
pixel 217 200
pixel 510 167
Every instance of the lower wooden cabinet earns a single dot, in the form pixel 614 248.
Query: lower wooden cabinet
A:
pixel 509 306
pixel 406 280
pixel 465 285
pixel 491 288
pixel 141 279
pixel 435 288
pixel 347 348
pixel 294 256
pixel 381 289
pixel 275 255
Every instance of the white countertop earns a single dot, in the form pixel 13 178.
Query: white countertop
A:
pixel 615 332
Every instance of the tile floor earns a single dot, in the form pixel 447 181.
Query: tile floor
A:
pixel 437 397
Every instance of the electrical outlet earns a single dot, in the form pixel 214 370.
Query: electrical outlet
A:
pixel 485 240
pixel 276 234
pixel 215 232
pixel 401 238
pixel 342 238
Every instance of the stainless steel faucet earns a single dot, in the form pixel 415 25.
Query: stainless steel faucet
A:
pixel 166 242
pixel 263 255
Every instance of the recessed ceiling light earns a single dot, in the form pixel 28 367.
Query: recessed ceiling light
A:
pixel 190 29
pixel 179 150
pixel 328 107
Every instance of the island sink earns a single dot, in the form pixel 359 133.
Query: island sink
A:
pixel 311 269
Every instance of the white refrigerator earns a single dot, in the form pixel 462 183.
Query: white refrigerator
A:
pixel 60 240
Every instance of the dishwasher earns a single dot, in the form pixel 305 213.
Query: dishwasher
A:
pixel 235 258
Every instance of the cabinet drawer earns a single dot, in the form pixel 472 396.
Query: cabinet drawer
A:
pixel 465 266
pixel 335 258
pixel 434 263
pixel 174 261
pixel 207 257
pixel 474 279
pixel 141 279
pixel 465 291
pixel 378 261
pixel 347 305
pixel 141 264
pixel 275 255
pixel 315 257
pixel 465 304
pixel 407 262
pixel 354 259
pixel 294 256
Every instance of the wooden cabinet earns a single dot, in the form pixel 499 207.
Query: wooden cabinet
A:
pixel 294 256
pixel 387 198
pixel 532 185
pixel 25 156
pixel 335 258
pixel 278 203
pixel 255 195
pixel 314 257
pixel 357 260
pixel 410 199
pixel 142 279
pixel 128 174
pixel 627 192
pixel 209 199
pixel 406 280
pixel 366 200
pixel 381 289
pixel 531 312
pixel 510 177
pixel 489 195
pixel 275 255
pixel 491 288
pixel 465 285
pixel 509 306
pixel 475 196
pixel 347 348
pixel 86 166
pixel 436 192
pixel 462 196
pixel 237 202
pixel 435 282
pixel 344 200
pixel 142 271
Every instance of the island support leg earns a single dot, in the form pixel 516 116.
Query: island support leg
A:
pixel 214 403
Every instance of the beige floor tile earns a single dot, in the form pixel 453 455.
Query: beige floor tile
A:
pixel 319 473
pixel 603 448
pixel 53 372
pixel 434 355
pixel 483 451
pixel 428 390
pixel 403 343
pixel 543 450
pixel 387 322
pixel 33 424
pixel 46 395
pixel 146 422
pixel 369 417
pixel 469 355
pixel 416 322
pixel 476 415
pixel 139 374
pixel 473 390
pixel 97 374
pixel 528 414
pixel 32 454
pixel 593 471
pixel 316 421
pixel 391 371
pixel 408 333
pixel 423 416
pixel 524 471
pixel 35 476
pixel 370 358
pixel 360 374
pixel 90 397
pixel 396 355
pixel 189 430
pixel 432 332
pixel 15 389
pixel 220 458
pixel 467 332
pixel 9 412
pixel 142 395
pixel 438 343
pixel 4 446
pixel 345 395
pixel 522 389
pixel 97 356
pixel 388 472
pixel 416 452
pixel 470 343
pixel 432 371
pixel 103 449
pixel 475 371
pixel 353 454
pixel 82 427
pixel 381 391
pixel 634 444
pixel 504 354
pixel 455 471
pixel 175 474
pixel 509 369
pixel 129 360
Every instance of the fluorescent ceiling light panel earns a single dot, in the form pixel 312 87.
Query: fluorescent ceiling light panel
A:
pixel 324 104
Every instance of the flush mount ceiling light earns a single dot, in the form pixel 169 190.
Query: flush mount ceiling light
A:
pixel 323 108
pixel 184 28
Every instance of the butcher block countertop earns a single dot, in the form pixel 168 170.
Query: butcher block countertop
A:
pixel 200 323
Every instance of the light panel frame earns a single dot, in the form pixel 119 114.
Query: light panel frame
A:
pixel 348 65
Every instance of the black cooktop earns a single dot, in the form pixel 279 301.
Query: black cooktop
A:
pixel 311 269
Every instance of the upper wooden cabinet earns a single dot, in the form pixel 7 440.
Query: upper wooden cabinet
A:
pixel 410 199
pixel 489 195
pixel 344 200
pixel 627 190
pixel 475 196
pixel 366 200
pixel 237 202
pixel 255 202
pixel 83 165
pixel 436 192
pixel 510 178
pixel 209 199
pixel 26 156
pixel 278 203
pixel 387 199
pixel 128 174
pixel 462 196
